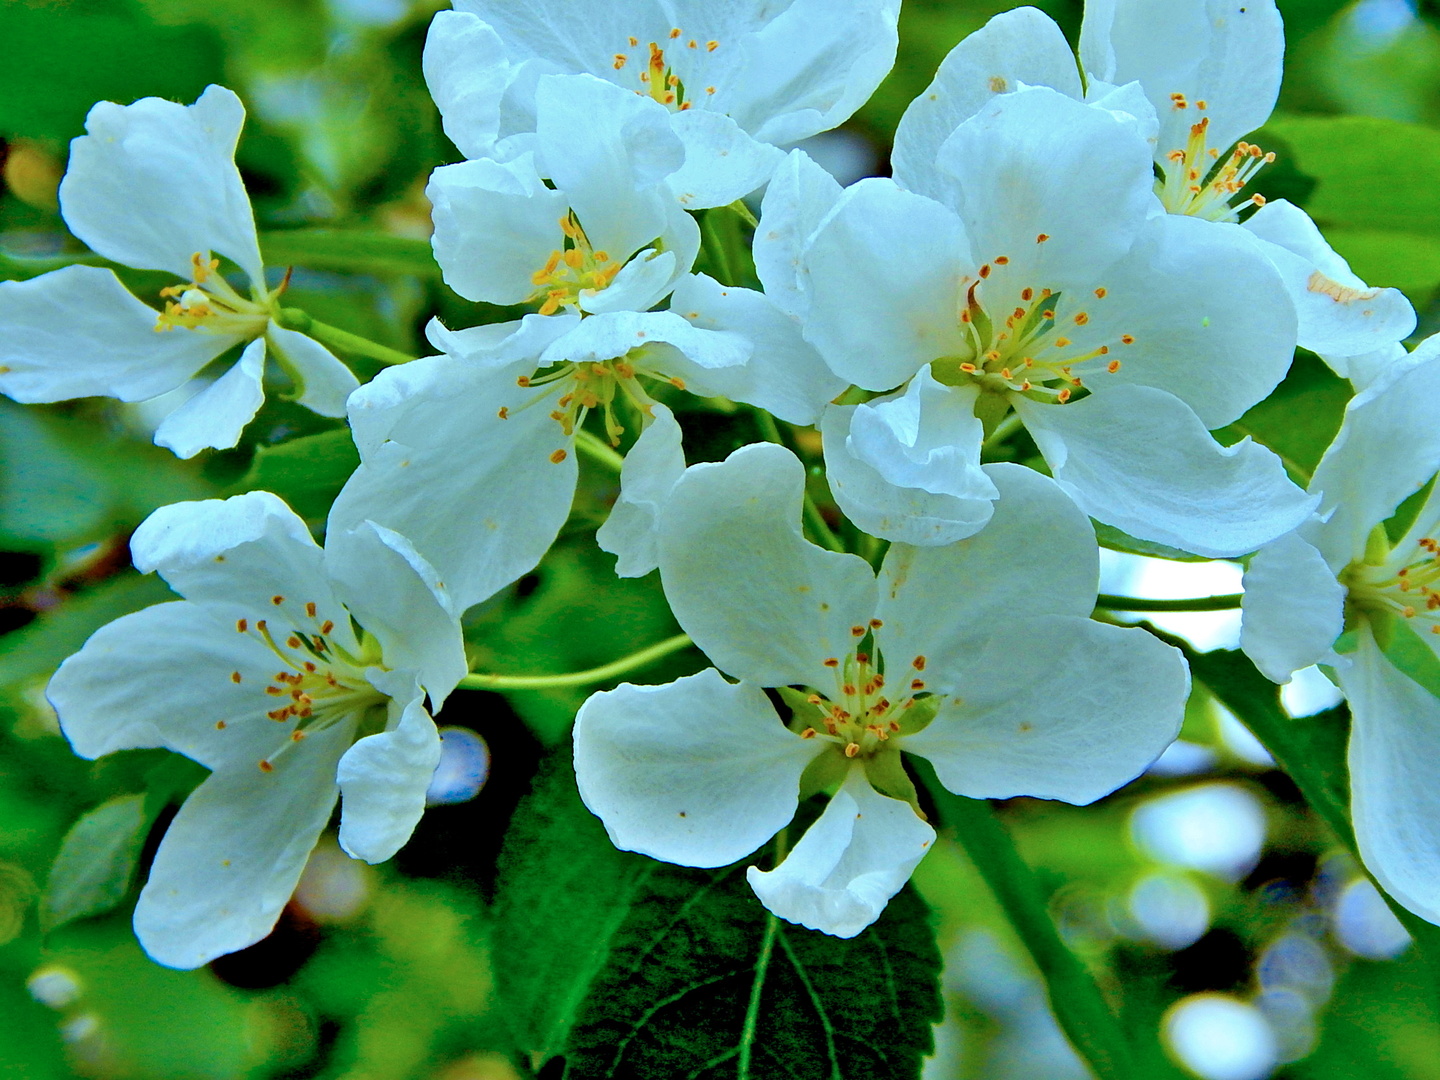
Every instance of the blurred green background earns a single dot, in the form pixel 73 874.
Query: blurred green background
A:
pixel 1206 877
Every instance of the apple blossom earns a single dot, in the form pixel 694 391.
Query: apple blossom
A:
pixel 940 656
pixel 359 636
pixel 153 185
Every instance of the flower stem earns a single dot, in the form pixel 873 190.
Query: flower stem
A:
pixel 623 666
pixel 295 319
pixel 598 450
pixel 1074 996
pixel 770 432
pixel 1227 602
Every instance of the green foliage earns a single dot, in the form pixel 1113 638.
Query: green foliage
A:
pixel 632 968
pixel 1373 198
pixel 350 252
pixel 96 862
pixel 307 472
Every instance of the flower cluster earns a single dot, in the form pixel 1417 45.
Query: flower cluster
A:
pixel 1066 286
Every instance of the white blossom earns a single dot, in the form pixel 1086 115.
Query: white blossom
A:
pixel 979 656
pixel 153 185
pixel 296 675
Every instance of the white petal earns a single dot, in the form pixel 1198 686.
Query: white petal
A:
pixel 164 677
pixel 383 778
pixel 1294 609
pixel 477 494
pixel 848 865
pixel 1209 315
pixel 1338 312
pixel 399 598
pixel 1365 368
pixel 609 150
pixel 722 163
pixel 155 182
pixel 784 375
pixel 1387 448
pixel 763 602
pixel 78 332
pixel 1057 707
pixel 1225 54
pixel 699 772
pixel 1140 459
pixel 495 227
pixel 811 67
pixel 881 508
pixel 1394 800
pixel 466 72
pixel 1037 556
pixel 217 415
pixel 1017 47
pixel 241 552
pixel 1035 163
pixel 617 333
pixel 234 853
pixel 886 272
pixel 798 199
pixel 327 382
pixel 651 469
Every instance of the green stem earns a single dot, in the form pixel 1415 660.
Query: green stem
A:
pixel 1074 996
pixel 770 432
pixel 598 450
pixel 1227 602
pixel 603 673
pixel 295 319
pixel 1003 431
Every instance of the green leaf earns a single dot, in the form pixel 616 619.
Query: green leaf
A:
pixel 1371 173
pixel 1119 540
pixel 1408 651
pixel 350 252
pixel 96 862
pixel 307 472
pixel 633 968
pixel 34 651
pixel 1300 419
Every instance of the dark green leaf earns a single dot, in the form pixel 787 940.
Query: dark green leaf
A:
pixel 96 863
pixel 307 473
pixel 350 252
pixel 1300 419
pixel 636 969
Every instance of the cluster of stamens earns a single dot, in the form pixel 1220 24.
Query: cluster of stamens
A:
pixel 596 384
pixel 209 302
pixel 658 78
pixel 1409 591
pixel 1026 349
pixel 574 268
pixel 861 717
pixel 1198 183
pixel 319 683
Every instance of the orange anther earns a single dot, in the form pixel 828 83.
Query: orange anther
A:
pixel 1042 238
pixel 277 600
pixel 558 456
pixel 265 766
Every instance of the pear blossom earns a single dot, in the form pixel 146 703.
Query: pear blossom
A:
pixel 979 656
pixel 1342 573
pixel 153 185
pixel 1042 283
pixel 736 81
pixel 1210 71
pixel 296 675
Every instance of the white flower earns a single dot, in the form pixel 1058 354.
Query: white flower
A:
pixel 1210 71
pixel 294 674
pixel 1341 569
pixel 979 656
pixel 1043 277
pixel 153 185
pixel 735 80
